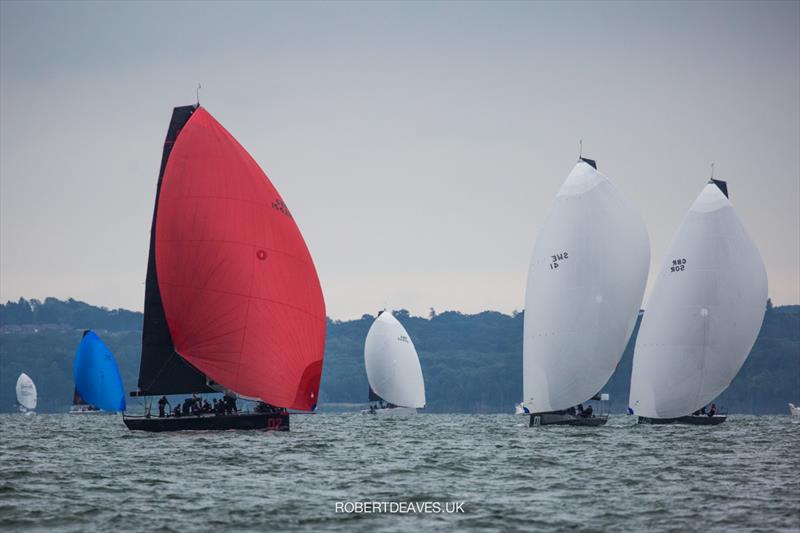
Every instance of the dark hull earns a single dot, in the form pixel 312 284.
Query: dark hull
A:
pixel 557 419
pixel 245 421
pixel 701 420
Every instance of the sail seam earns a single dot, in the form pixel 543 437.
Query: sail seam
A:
pixel 250 297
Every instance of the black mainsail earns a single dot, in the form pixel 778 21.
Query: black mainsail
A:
pixel 162 370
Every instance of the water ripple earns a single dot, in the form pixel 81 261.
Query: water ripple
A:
pixel 78 473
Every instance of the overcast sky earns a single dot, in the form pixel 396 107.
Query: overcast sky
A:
pixel 418 145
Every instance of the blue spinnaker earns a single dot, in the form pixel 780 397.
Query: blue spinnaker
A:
pixel 97 376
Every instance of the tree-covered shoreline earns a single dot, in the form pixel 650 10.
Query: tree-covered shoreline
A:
pixel 471 363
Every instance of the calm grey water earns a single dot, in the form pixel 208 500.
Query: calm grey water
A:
pixel 90 472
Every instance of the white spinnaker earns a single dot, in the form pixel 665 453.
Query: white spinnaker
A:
pixel 26 392
pixel 392 363
pixel 703 315
pixel 585 286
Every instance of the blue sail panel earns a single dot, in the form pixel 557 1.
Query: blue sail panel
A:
pixel 96 374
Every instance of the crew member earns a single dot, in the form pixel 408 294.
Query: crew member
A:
pixel 162 404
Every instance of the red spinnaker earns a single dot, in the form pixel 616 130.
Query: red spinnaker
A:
pixel 241 295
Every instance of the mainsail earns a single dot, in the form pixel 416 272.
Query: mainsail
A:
pixel 26 393
pixel 76 398
pixel 162 370
pixel 393 368
pixel 704 312
pixel 233 297
pixel 585 286
pixel 97 379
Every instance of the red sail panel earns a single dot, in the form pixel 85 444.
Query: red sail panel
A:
pixel 241 295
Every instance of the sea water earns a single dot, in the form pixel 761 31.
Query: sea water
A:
pixel 489 472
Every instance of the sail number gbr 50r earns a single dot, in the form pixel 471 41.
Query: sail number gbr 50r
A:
pixel 678 265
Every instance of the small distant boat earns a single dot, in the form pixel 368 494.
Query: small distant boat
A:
pixel 585 285
pixel 702 318
pixel 98 384
pixel 396 386
pixel 232 303
pixel 794 410
pixel 26 394
pixel 80 407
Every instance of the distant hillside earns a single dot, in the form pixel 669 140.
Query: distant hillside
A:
pixel 471 363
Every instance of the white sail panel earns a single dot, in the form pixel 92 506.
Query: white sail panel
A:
pixel 585 286
pixel 392 363
pixel 26 392
pixel 703 315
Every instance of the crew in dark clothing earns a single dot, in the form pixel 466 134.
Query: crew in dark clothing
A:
pixel 195 404
pixel 187 406
pixel 162 405
pixel 230 404
pixel 580 409
pixel 713 410
pixel 177 410
pixel 588 411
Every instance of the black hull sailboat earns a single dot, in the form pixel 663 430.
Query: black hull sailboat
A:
pixel 233 303
pixel 692 420
pixel 566 419
pixel 241 421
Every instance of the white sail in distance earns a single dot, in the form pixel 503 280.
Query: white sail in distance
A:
pixel 585 285
pixel 26 393
pixel 703 315
pixel 393 368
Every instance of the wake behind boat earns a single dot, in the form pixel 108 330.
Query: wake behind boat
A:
pixel 585 286
pixel 232 299
pixel 396 386
pixel 702 318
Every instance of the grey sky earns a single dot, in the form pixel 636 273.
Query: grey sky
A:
pixel 419 145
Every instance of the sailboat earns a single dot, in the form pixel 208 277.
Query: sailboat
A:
pixel 98 385
pixel 702 317
pixel 26 394
pixel 232 299
pixel 585 285
pixel 794 411
pixel 80 406
pixel 395 379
